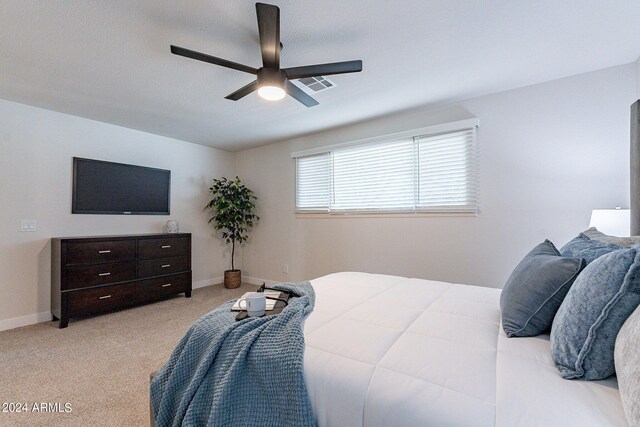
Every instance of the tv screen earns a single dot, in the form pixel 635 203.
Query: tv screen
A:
pixel 118 189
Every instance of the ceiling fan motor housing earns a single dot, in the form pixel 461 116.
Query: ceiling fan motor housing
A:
pixel 272 77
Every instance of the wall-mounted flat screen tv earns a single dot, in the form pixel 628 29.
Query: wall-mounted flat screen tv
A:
pixel 109 188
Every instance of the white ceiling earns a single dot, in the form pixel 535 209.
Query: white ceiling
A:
pixel 109 60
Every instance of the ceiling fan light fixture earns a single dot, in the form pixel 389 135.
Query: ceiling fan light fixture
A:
pixel 271 84
pixel 271 93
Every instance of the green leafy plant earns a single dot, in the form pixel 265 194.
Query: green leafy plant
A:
pixel 233 209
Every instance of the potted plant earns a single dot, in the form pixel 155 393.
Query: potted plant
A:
pixel 232 206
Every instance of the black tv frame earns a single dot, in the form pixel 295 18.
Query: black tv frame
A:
pixel 74 209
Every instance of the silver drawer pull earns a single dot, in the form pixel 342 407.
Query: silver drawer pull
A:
pixel 104 274
pixel 165 246
pixel 167 285
pixel 105 297
pixel 166 265
pixel 104 252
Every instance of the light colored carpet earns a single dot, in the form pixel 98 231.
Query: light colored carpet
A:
pixel 99 365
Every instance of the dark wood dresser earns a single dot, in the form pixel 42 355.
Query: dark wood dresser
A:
pixel 91 275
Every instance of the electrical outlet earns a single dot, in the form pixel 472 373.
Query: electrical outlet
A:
pixel 285 268
pixel 28 225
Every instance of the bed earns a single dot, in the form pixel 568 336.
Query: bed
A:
pixel 387 350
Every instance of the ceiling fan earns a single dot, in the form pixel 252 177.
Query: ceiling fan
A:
pixel 273 82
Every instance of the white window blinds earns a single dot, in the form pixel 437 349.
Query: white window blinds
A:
pixel 376 177
pixel 426 173
pixel 446 172
pixel 313 179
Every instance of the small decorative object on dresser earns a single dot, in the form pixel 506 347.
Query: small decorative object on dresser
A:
pixel 172 226
pixel 91 275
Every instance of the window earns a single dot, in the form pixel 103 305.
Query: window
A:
pixel 432 170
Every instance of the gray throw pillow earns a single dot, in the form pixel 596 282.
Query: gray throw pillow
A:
pixel 585 328
pixel 627 359
pixel 626 242
pixel 535 290
pixel 584 247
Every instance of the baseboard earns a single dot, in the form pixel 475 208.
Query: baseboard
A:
pixel 29 319
pixel 207 282
pixel 245 279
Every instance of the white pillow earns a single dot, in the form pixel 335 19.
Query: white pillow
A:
pixel 627 360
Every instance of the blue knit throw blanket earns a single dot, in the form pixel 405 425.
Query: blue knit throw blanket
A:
pixel 238 373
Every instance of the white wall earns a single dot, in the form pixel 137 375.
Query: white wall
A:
pixel 36 150
pixel 549 154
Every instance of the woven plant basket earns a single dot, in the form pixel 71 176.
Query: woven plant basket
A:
pixel 232 279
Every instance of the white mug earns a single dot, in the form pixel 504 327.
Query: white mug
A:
pixel 255 304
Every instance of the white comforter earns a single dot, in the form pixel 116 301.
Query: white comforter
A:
pixel 392 351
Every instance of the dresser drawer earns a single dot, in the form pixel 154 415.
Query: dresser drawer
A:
pixel 97 300
pixel 161 266
pixel 95 252
pixel 82 276
pixel 162 286
pixel 153 248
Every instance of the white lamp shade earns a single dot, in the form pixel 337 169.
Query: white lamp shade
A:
pixel 615 222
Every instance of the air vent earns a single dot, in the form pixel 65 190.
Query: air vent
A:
pixel 313 85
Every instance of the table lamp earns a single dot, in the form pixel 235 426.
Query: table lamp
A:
pixel 615 222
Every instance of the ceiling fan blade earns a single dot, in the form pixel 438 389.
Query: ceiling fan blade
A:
pixel 243 91
pixel 176 50
pixel 297 93
pixel 269 29
pixel 324 69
